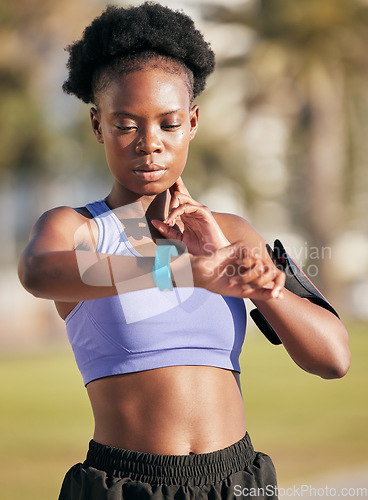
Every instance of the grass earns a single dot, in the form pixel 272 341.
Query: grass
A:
pixel 307 425
pixel 45 424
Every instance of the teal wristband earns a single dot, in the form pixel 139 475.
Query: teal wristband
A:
pixel 161 270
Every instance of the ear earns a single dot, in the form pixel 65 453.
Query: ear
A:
pixel 194 116
pixel 96 125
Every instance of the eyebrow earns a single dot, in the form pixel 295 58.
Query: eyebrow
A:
pixel 132 115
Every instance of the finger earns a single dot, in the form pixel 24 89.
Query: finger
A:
pixel 265 277
pixel 251 293
pixel 244 266
pixel 255 272
pixel 279 284
pixel 239 254
pixel 186 208
pixel 180 186
pixel 267 287
pixel 174 202
pixel 244 251
pixel 258 293
pixel 251 272
pixel 167 231
pixel 178 198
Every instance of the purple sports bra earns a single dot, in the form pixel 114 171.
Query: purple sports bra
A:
pixel 147 329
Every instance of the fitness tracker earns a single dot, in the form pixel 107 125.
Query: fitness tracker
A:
pixel 161 270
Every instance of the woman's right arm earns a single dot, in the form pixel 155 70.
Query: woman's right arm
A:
pixel 59 262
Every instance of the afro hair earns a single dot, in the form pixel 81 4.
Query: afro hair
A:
pixel 124 33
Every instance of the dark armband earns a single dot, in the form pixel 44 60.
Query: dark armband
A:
pixel 296 282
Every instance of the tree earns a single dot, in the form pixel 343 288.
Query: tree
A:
pixel 33 35
pixel 308 65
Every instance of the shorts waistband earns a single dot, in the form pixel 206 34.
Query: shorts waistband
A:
pixel 193 470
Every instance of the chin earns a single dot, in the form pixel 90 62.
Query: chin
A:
pixel 152 190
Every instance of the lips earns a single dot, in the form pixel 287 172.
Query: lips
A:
pixel 149 173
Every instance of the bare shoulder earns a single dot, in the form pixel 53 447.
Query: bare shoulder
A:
pixel 61 227
pixel 57 218
pixel 236 228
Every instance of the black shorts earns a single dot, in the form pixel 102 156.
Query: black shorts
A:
pixel 117 474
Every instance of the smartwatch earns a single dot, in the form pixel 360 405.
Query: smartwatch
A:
pixel 161 270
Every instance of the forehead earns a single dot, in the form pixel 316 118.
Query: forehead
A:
pixel 146 89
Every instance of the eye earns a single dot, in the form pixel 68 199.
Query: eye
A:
pixel 171 126
pixel 126 129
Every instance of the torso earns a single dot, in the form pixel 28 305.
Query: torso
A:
pixel 173 410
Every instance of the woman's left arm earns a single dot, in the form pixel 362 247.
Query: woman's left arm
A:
pixel 314 337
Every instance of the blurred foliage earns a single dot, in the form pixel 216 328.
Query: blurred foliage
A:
pixel 327 27
pixel 302 75
pixel 33 35
pixel 23 137
pixel 23 134
pixel 308 61
pixel 306 68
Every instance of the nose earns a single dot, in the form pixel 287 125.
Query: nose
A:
pixel 149 142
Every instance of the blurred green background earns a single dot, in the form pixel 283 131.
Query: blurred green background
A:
pixel 309 426
pixel 282 142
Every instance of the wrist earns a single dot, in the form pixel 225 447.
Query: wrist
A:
pixel 197 263
pixel 182 270
pixel 194 269
pixel 210 247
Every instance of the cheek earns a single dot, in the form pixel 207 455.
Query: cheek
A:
pixel 179 150
pixel 115 146
pixel 181 140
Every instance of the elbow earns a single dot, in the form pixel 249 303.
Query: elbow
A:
pixel 339 361
pixel 333 370
pixel 28 274
pixel 334 362
pixel 339 368
pixel 339 356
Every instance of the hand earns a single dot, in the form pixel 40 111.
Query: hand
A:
pixel 201 235
pixel 238 271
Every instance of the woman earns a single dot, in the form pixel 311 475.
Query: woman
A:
pixel 161 367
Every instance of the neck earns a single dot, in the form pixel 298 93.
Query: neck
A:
pixel 154 206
